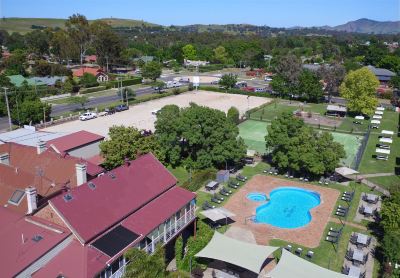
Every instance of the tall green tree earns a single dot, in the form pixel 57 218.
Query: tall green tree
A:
pixel 228 81
pixel 333 77
pixel 189 52
pixel 152 70
pixel 79 32
pixel 128 142
pixel 390 62
pixel 310 86
pixel 88 80
pixel 233 115
pixel 81 100
pixel 220 55
pixel 143 265
pixel 15 64
pixel 359 89
pixel 30 112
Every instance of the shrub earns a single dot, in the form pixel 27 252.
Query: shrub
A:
pixel 176 91
pixel 386 95
pixel 126 82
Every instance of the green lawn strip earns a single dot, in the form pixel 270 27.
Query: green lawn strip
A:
pixel 387 182
pixel 180 173
pixel 371 165
pixel 326 255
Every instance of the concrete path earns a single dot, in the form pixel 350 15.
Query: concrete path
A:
pixel 370 184
pixel 375 186
pixel 337 220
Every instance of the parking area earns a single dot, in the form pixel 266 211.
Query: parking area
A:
pixel 141 117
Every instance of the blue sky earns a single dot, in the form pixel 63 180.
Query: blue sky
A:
pixel 275 13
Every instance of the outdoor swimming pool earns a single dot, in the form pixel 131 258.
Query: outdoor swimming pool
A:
pixel 289 207
pixel 257 197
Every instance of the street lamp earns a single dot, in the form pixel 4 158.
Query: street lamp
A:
pixel 8 108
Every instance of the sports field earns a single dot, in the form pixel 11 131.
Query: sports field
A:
pixel 254 132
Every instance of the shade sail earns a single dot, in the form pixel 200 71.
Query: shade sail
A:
pixel 376 122
pixel 382 151
pixel 378 117
pixel 246 255
pixel 217 214
pixel 378 112
pixel 380 108
pixel 345 171
pixel 291 266
pixel 386 140
pixel 387 132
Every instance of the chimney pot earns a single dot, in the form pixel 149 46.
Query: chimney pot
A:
pixel 81 177
pixel 31 196
pixel 5 158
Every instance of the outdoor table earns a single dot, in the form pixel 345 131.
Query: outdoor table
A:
pixel 367 210
pixel 358 256
pixel 354 271
pixel 362 239
pixel 371 197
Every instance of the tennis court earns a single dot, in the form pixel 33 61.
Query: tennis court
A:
pixel 254 132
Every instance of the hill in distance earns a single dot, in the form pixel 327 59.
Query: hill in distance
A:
pixel 24 25
pixel 369 26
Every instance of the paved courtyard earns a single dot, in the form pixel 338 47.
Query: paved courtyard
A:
pixel 141 117
pixel 309 235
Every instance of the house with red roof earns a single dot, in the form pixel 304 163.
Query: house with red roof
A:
pixel 137 205
pixel 99 73
pixel 90 58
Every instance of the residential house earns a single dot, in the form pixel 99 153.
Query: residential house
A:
pixel 91 59
pixel 99 73
pixel 144 59
pixel 49 80
pixel 190 63
pixel 383 75
pixel 136 205
pixel 28 136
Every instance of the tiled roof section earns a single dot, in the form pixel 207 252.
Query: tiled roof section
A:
pixel 75 261
pixel 18 250
pixel 115 195
pixel 81 71
pixel 381 72
pixel 52 171
pixel 74 140
pixel 160 209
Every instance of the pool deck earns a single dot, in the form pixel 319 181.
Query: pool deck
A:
pixel 309 235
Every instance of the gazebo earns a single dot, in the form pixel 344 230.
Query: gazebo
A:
pixel 290 266
pixel 245 255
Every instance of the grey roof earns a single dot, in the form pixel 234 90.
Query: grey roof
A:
pixel 381 72
pixel 145 59
pixel 28 136
pixel 217 214
pixel 246 255
pixel 49 80
pixel 336 108
pixel 290 266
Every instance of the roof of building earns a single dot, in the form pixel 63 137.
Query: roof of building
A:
pixel 145 59
pixel 52 171
pixel 97 159
pixel 79 72
pixel 17 80
pixel 49 80
pixel 381 72
pixel 75 261
pixel 23 240
pixel 157 211
pixel 91 58
pixel 74 140
pixel 111 197
pixel 28 136
pixel 336 108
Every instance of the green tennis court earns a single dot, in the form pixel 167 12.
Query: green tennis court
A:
pixel 254 132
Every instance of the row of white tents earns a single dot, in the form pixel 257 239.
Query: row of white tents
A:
pixel 383 151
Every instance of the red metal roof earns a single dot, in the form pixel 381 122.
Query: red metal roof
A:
pixel 81 71
pixel 97 159
pixel 92 211
pixel 75 261
pixel 160 209
pixel 18 250
pixel 75 140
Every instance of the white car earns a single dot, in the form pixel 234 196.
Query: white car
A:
pixel 87 116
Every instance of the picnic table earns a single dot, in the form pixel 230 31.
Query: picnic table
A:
pixel 354 271
pixel 362 239
pixel 358 256
pixel 367 210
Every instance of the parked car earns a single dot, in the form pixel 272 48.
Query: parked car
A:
pixel 109 111
pixel 260 90
pixel 121 107
pixel 87 116
pixel 268 79
pixel 173 84
pixel 216 81
pixel 102 114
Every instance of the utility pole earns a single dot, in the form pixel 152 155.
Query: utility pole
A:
pixel 126 95
pixel 44 116
pixel 8 108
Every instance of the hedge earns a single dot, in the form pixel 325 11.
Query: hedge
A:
pixel 199 179
pixel 93 89
pixel 126 82
pixel 211 67
pixel 235 91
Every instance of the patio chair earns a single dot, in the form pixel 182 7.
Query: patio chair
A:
pixel 215 200
pixel 266 171
pixel 321 180
pixel 298 251
pixel 353 239
pixel 232 185
pixel 331 239
pixel 333 234
pixel 234 182
pixel 289 248
pixel 349 255
pixel 227 190
pixel 369 241
pixel 365 259
pixel 223 192
pixel 310 254
pixel 361 209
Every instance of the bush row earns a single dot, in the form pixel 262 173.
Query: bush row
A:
pixel 234 91
pixel 211 67
pixel 199 179
pixel 126 82
pixel 92 90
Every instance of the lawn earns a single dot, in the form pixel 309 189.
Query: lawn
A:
pixel 388 182
pixel 351 144
pixel 368 163
pixel 180 173
pixel 253 134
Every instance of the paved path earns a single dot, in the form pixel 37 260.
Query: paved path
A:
pixel 364 176
pixel 337 220
pixel 370 184
pixel 376 187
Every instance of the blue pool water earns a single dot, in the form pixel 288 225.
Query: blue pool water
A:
pixel 289 207
pixel 257 197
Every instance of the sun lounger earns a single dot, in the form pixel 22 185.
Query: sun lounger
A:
pixel 215 200
pixel 334 230
pixel 331 239
pixel 289 248
pixel 227 190
pixel 219 197
pixel 299 251
pixel 321 180
pixel 232 185
pixel 206 203
pixel 241 178
pixel 266 171
pixel 223 192
pixel 310 254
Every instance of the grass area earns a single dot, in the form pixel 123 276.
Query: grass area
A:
pixel 371 165
pixel 351 144
pixel 253 134
pixel 389 182
pixel 180 173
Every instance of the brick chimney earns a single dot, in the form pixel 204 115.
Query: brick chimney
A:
pixel 5 158
pixel 31 197
pixel 41 147
pixel 80 174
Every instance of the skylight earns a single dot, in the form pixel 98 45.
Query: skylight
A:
pixel 67 197
pixel 37 238
pixel 112 175
pixel 16 197
pixel 91 185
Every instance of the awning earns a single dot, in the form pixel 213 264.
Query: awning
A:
pixel 246 255
pixel 387 132
pixel 359 118
pixel 345 171
pixel 376 122
pixel 378 117
pixel 217 214
pixel 382 151
pixel 378 112
pixel 385 140
pixel 380 108
pixel 290 266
